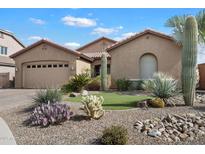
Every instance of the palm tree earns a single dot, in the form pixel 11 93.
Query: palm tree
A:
pixel 177 25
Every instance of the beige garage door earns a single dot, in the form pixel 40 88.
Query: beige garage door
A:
pixel 49 74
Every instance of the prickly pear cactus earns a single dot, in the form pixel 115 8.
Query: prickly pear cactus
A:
pixel 103 73
pixel 189 60
pixel 93 106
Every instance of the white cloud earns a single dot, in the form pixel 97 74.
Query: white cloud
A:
pixel 79 22
pixel 123 36
pixel 37 21
pixel 72 45
pixel 35 38
pixel 106 31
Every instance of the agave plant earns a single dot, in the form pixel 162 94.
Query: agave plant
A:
pixel 162 86
pixel 50 114
pixel 48 96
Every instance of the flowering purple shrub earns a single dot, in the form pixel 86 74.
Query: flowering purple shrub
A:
pixel 50 114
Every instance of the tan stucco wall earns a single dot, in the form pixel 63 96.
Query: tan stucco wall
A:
pixel 126 58
pixel 9 42
pixel 82 66
pixel 41 53
pixel 97 47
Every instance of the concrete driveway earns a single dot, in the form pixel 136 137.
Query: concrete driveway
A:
pixel 14 97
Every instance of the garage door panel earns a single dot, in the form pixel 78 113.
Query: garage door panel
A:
pixel 45 74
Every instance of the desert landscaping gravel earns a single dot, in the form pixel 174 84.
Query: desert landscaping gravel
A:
pixel 79 130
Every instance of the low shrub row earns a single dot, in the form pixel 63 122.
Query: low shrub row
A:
pixel 125 84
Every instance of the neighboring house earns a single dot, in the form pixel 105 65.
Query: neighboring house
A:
pixel 9 44
pixel 94 50
pixel 45 64
pixel 201 68
pixel 142 54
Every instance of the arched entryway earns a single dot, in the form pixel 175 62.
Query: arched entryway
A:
pixel 148 66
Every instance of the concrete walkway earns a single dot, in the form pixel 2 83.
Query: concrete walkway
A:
pixel 6 136
pixel 14 97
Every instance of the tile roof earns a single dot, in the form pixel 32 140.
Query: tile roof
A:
pixel 96 54
pixel 130 38
pixel 97 40
pixel 54 45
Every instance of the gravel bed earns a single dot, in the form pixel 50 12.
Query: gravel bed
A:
pixel 78 130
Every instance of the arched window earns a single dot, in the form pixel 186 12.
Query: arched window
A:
pixel 148 66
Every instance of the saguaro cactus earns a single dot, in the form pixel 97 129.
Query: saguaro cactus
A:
pixel 103 73
pixel 189 60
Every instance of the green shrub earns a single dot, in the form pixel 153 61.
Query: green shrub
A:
pixel 94 84
pixel 115 135
pixel 123 84
pixel 77 83
pixel 161 86
pixel 48 96
pixel 136 85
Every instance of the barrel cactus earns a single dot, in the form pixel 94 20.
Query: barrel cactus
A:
pixel 103 73
pixel 189 60
pixel 93 106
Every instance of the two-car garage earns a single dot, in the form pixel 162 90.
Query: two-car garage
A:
pixel 47 65
pixel 45 74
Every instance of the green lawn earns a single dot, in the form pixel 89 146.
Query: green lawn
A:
pixel 115 101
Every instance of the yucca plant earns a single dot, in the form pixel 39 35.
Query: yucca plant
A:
pixel 161 86
pixel 48 96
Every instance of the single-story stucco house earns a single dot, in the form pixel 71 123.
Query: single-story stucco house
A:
pixel 46 64
pixel 144 53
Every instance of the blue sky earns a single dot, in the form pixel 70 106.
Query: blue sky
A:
pixel 75 27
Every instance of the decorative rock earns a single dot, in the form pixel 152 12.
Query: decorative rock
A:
pixel 169 139
pixel 202 128
pixel 154 133
pixel 174 127
pixel 162 129
pixel 200 122
pixel 84 93
pixel 183 136
pixel 190 124
pixel 74 94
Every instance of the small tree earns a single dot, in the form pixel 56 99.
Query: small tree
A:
pixel 189 60
pixel 103 73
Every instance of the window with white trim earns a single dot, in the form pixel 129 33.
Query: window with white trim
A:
pixel 3 50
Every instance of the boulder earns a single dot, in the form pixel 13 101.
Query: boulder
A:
pixel 84 93
pixel 73 94
pixel 154 133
